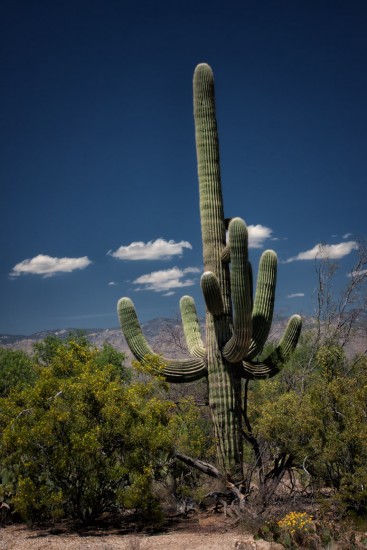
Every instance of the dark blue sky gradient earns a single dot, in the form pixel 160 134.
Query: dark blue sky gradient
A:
pixel 98 151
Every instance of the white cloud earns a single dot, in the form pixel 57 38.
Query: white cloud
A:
pixel 331 251
pixel 166 280
pixel 296 295
pixel 359 273
pixel 112 283
pixel 160 249
pixel 257 234
pixel 347 235
pixel 47 266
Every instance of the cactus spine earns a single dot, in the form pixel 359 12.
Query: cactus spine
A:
pixel 237 325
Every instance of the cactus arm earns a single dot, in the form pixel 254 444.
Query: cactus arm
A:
pixel 262 313
pixel 173 370
pixel 258 371
pixel 288 343
pixel 191 327
pixel 226 255
pixel 211 292
pixel 273 364
pixel 236 348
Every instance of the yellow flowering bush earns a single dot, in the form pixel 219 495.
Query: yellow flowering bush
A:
pixel 296 522
pixel 81 441
pixel 85 438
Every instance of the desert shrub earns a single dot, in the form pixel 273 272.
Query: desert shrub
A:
pixel 46 350
pixel 296 522
pixel 80 441
pixel 16 370
pixel 192 436
pixel 108 355
pixel 295 530
pixel 317 419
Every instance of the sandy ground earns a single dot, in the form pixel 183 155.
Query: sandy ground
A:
pixel 213 533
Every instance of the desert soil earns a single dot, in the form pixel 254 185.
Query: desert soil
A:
pixel 200 533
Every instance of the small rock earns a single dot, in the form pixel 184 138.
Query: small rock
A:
pixel 240 545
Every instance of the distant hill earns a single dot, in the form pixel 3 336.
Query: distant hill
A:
pixel 155 331
pixel 164 335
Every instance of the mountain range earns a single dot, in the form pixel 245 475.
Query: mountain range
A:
pixel 164 335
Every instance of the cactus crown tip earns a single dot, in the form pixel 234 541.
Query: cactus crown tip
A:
pixel 236 219
pixel 122 301
pixel 270 252
pixel 203 67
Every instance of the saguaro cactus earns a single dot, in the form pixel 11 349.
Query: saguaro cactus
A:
pixel 237 325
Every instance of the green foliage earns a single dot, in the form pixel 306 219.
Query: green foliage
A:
pixel 295 530
pixel 296 522
pixel 108 355
pixel 318 418
pixel 16 370
pixel 298 530
pixel 288 423
pixel 80 441
pixel 191 432
pixel 83 439
pixel 46 349
pixel 330 360
pixel 192 436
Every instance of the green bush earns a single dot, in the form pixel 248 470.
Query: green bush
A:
pixel 318 419
pixel 16 370
pixel 80 441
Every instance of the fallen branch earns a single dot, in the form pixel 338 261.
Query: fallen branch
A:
pixel 212 471
pixel 205 467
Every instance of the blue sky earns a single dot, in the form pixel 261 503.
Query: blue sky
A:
pixel 98 150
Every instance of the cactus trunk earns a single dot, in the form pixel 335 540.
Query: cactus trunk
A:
pixel 224 382
pixel 225 401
